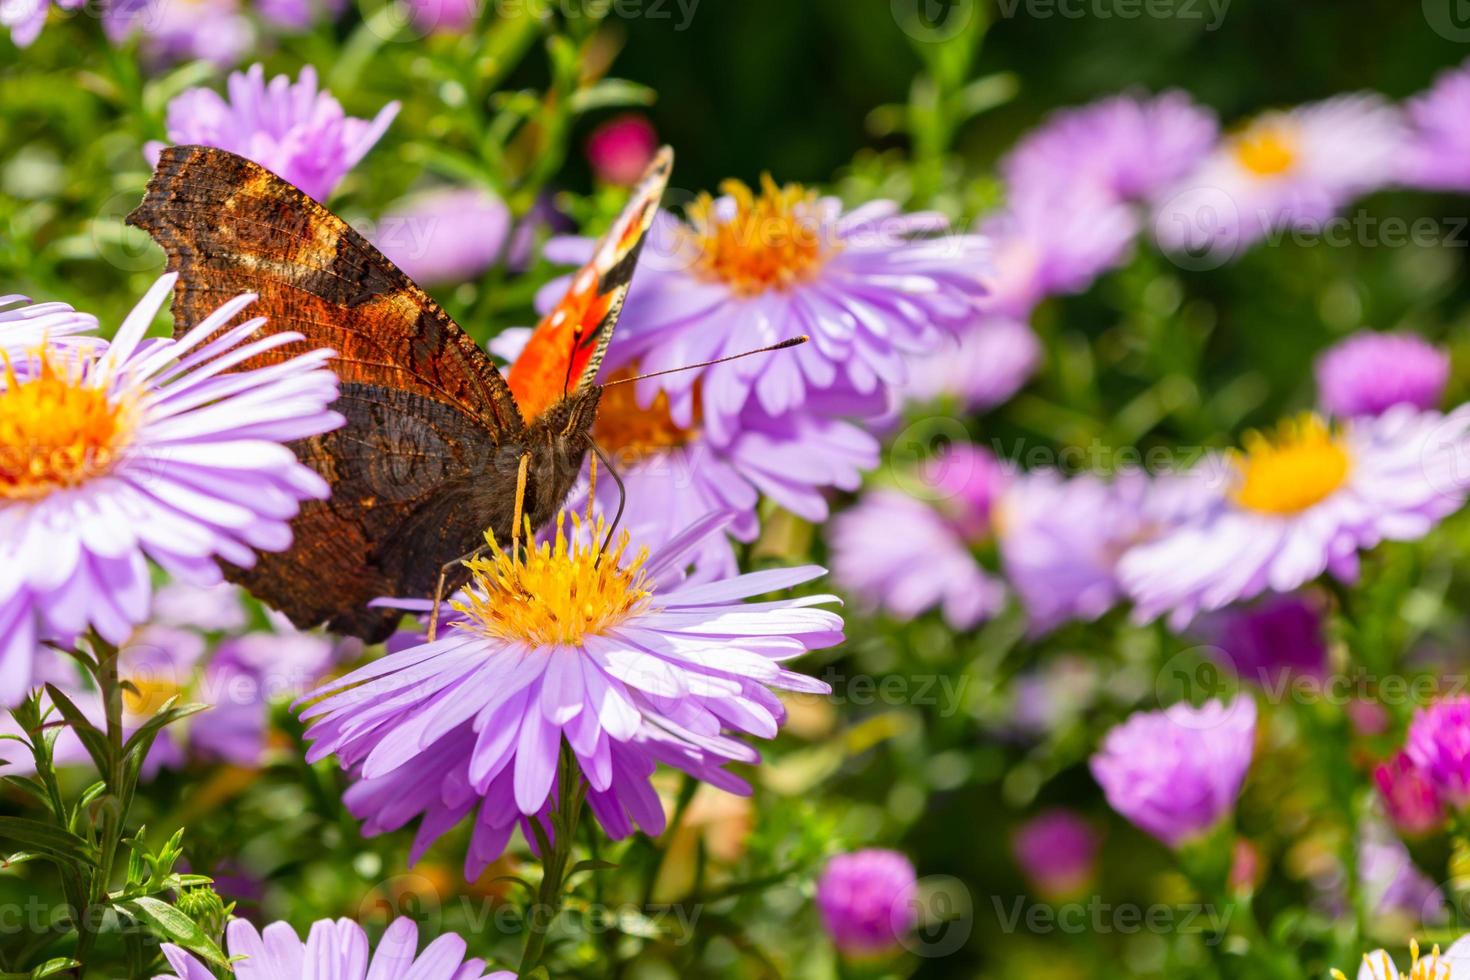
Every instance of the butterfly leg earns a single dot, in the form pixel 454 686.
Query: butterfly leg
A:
pixel 439 596
pixel 622 494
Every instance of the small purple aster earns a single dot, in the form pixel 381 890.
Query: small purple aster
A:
pixel 868 901
pixel 1438 745
pixel 622 658
pixel 334 950
pixel 1369 373
pixel 26 18
pixel 1130 146
pixel 445 236
pixel 293 129
pixel 1439 144
pixel 1176 773
pixel 1057 851
pixel 981 368
pixel 217 31
pixel 1273 639
pixel 908 551
pixel 146 450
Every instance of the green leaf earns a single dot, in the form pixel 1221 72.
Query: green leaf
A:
pixel 92 739
pixel 142 739
pixel 48 969
pixel 590 865
pixel 611 93
pixel 173 925
pixel 48 839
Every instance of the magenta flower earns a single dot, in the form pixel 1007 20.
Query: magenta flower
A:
pixel 26 18
pixel 1408 797
pixel 981 368
pixel 868 901
pixel 1439 147
pixel 1369 373
pixel 1273 639
pixel 907 551
pixel 1176 773
pixel 445 236
pixel 1438 745
pixel 1130 146
pixel 622 658
pixel 334 951
pixel 870 287
pixel 620 149
pixel 444 16
pixel 292 129
pixel 145 451
pixel 216 31
pixel 1057 851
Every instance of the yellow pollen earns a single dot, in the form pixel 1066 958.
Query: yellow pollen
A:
pixel 1267 149
pixel 1303 464
pixel 631 432
pixel 57 430
pixel 560 592
pixel 1380 967
pixel 771 242
pixel 144 697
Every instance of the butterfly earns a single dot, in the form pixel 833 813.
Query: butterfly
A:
pixel 437 442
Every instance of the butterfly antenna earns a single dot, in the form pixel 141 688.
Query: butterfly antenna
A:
pixel 622 495
pixel 783 345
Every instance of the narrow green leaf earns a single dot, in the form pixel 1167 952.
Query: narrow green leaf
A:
pixel 173 925
pixel 48 839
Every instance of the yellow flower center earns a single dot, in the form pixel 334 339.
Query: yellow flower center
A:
pixel 561 591
pixel 57 430
pixel 1304 463
pixel 1267 149
pixel 771 242
pixel 631 432
pixel 1381 967
pixel 144 696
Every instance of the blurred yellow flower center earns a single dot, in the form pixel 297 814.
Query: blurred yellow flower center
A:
pixel 144 697
pixel 57 430
pixel 630 432
pixel 1380 967
pixel 770 242
pixel 1267 149
pixel 1303 464
pixel 560 591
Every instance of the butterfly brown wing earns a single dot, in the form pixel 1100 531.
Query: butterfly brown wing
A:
pixel 427 412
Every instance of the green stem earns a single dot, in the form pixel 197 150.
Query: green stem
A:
pixel 555 865
pixel 119 793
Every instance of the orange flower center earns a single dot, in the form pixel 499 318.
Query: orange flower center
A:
pixel 630 432
pixel 1304 463
pixel 1267 149
pixel 57 430
pixel 772 241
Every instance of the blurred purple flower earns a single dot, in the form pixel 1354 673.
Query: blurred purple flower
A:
pixel 153 454
pixel 620 149
pixel 292 129
pixel 981 368
pixel 209 608
pixel 625 660
pixel 1369 373
pixel 1176 773
pixel 1408 797
pixel 868 901
pixel 1057 851
pixel 445 236
pixel 1438 745
pixel 907 551
pixel 444 16
pixel 216 31
pixel 1393 885
pixel 334 951
pixel 1130 146
pixel 26 18
pixel 243 677
pixel 299 15
pixel 1439 151
pixel 1271 640
pixel 1287 169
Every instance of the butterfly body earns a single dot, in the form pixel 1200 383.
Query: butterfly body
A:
pixel 432 449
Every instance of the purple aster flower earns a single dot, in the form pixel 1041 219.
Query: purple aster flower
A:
pixel 870 287
pixel 211 608
pixel 26 328
pixel 1408 797
pixel 444 16
pixel 334 951
pixel 1453 964
pixel 445 236
pixel 145 451
pixel 1176 773
pixel 299 15
pixel 981 368
pixel 1057 850
pixel 1300 502
pixel 1130 146
pixel 25 18
pixel 907 552
pixel 1369 373
pixel 1392 884
pixel 1271 640
pixel 621 657
pixel 1439 746
pixel 174 30
pixel 292 129
pixel 244 676
pixel 1288 169
pixel 1439 149
pixel 868 901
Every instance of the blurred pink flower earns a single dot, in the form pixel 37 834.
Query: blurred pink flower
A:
pixel 620 149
